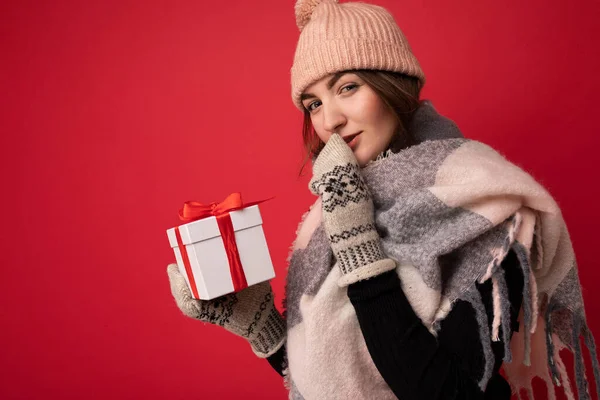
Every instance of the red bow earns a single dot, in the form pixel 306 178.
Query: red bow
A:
pixel 192 211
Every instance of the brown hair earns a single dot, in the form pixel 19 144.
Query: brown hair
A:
pixel 398 91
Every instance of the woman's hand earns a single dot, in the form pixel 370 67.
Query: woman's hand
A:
pixel 348 214
pixel 250 313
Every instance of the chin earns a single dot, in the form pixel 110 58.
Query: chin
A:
pixel 362 158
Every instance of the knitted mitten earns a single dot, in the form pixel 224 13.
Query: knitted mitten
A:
pixel 348 214
pixel 249 313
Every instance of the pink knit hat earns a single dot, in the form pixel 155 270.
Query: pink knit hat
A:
pixel 338 37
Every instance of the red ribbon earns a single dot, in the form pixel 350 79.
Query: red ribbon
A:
pixel 193 211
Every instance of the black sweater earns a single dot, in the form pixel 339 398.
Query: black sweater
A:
pixel 415 364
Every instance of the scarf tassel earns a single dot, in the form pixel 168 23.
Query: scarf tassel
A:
pixel 528 300
pixel 566 384
pixel 590 343
pixel 555 363
pixel 474 298
pixel 500 292
pixel 550 349
pixel 580 328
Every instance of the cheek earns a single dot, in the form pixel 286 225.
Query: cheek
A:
pixel 372 111
pixel 379 118
pixel 323 136
pixel 320 132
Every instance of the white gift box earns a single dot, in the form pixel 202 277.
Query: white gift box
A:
pixel 208 258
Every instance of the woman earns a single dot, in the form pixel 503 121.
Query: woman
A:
pixel 408 273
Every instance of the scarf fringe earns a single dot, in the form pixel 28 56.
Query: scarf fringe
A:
pixel 566 383
pixel 580 378
pixel 474 297
pixel 499 281
pixel 556 365
pixel 528 301
pixel 556 372
pixel 558 375
pixel 580 328
pixel 590 343
pixel 512 224
pixel 497 309
pixel 534 300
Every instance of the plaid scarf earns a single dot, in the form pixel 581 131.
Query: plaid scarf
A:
pixel 449 210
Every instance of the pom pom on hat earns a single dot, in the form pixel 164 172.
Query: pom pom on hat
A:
pixel 304 10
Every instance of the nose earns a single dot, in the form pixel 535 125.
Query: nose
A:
pixel 333 118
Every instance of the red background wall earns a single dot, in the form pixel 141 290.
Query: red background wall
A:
pixel 115 112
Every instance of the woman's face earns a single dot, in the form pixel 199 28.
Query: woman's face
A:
pixel 343 103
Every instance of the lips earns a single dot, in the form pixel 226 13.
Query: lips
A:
pixel 348 138
pixel 352 140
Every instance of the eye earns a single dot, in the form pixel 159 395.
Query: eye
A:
pixel 349 87
pixel 313 106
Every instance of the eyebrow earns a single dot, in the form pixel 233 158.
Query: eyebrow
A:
pixel 330 84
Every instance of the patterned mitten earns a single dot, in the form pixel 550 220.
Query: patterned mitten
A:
pixel 249 313
pixel 348 214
